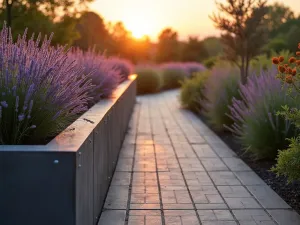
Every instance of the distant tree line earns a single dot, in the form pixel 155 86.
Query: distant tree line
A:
pixel 248 29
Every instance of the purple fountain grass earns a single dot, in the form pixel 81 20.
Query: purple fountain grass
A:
pixel 256 123
pixel 36 82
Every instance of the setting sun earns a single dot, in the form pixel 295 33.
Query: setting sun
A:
pixel 138 26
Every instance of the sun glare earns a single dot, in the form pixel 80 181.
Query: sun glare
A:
pixel 138 27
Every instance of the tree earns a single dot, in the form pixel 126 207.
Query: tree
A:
pixel 121 40
pixel 53 8
pixel 168 48
pixel 194 51
pixel 244 33
pixel 277 15
pixel 213 45
pixel 93 32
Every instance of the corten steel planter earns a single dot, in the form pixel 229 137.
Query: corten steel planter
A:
pixel 65 181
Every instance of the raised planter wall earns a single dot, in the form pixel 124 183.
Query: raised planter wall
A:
pixel 66 181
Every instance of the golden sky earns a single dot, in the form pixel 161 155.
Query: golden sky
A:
pixel 187 17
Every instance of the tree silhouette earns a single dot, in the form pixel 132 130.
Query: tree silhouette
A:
pixel 168 48
pixel 242 22
pixel 93 32
pixel 194 51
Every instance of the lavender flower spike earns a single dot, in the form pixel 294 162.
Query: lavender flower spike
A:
pixel 4 104
pixel 21 117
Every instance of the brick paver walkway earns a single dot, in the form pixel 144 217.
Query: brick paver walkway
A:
pixel 174 170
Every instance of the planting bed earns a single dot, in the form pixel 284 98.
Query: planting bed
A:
pixel 289 192
pixel 65 181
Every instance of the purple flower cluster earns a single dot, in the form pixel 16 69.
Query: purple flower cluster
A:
pixel 41 90
pixel 187 68
pixel 256 91
pixel 124 67
pixel 256 123
pixel 104 72
pixel 194 67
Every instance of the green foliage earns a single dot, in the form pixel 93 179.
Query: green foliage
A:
pixel 191 93
pixel 263 62
pixel 148 80
pixel 289 32
pixel 288 161
pixel 93 32
pixel 221 86
pixel 276 44
pixel 210 62
pixel 168 46
pixel 194 51
pixel 260 62
pixel 213 46
pixel 172 78
pixel 37 21
pixel 65 31
pixel 277 15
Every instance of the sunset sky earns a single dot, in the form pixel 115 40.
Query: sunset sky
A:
pixel 187 17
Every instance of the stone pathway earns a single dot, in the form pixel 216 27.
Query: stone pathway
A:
pixel 173 170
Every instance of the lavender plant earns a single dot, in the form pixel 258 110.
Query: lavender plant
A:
pixel 173 74
pixel 193 67
pixel 41 91
pixel 221 86
pixel 101 70
pixel 124 67
pixel 256 124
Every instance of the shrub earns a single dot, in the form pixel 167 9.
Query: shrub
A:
pixel 262 62
pixel 173 74
pixel 42 92
pixel 256 124
pixel 221 86
pixel 148 80
pixel 102 71
pixel 193 67
pixel 191 94
pixel 124 67
pixel 288 161
pixel 210 62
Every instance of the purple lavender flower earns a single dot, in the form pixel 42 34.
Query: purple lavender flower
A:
pixel 193 67
pixel 32 70
pixel 101 70
pixel 21 117
pixel 256 123
pixel 33 127
pixel 124 67
pixel 4 104
pixel 30 109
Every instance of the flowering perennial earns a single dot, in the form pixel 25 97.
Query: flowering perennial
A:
pixel 41 91
pixel 256 123
pixel 100 69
